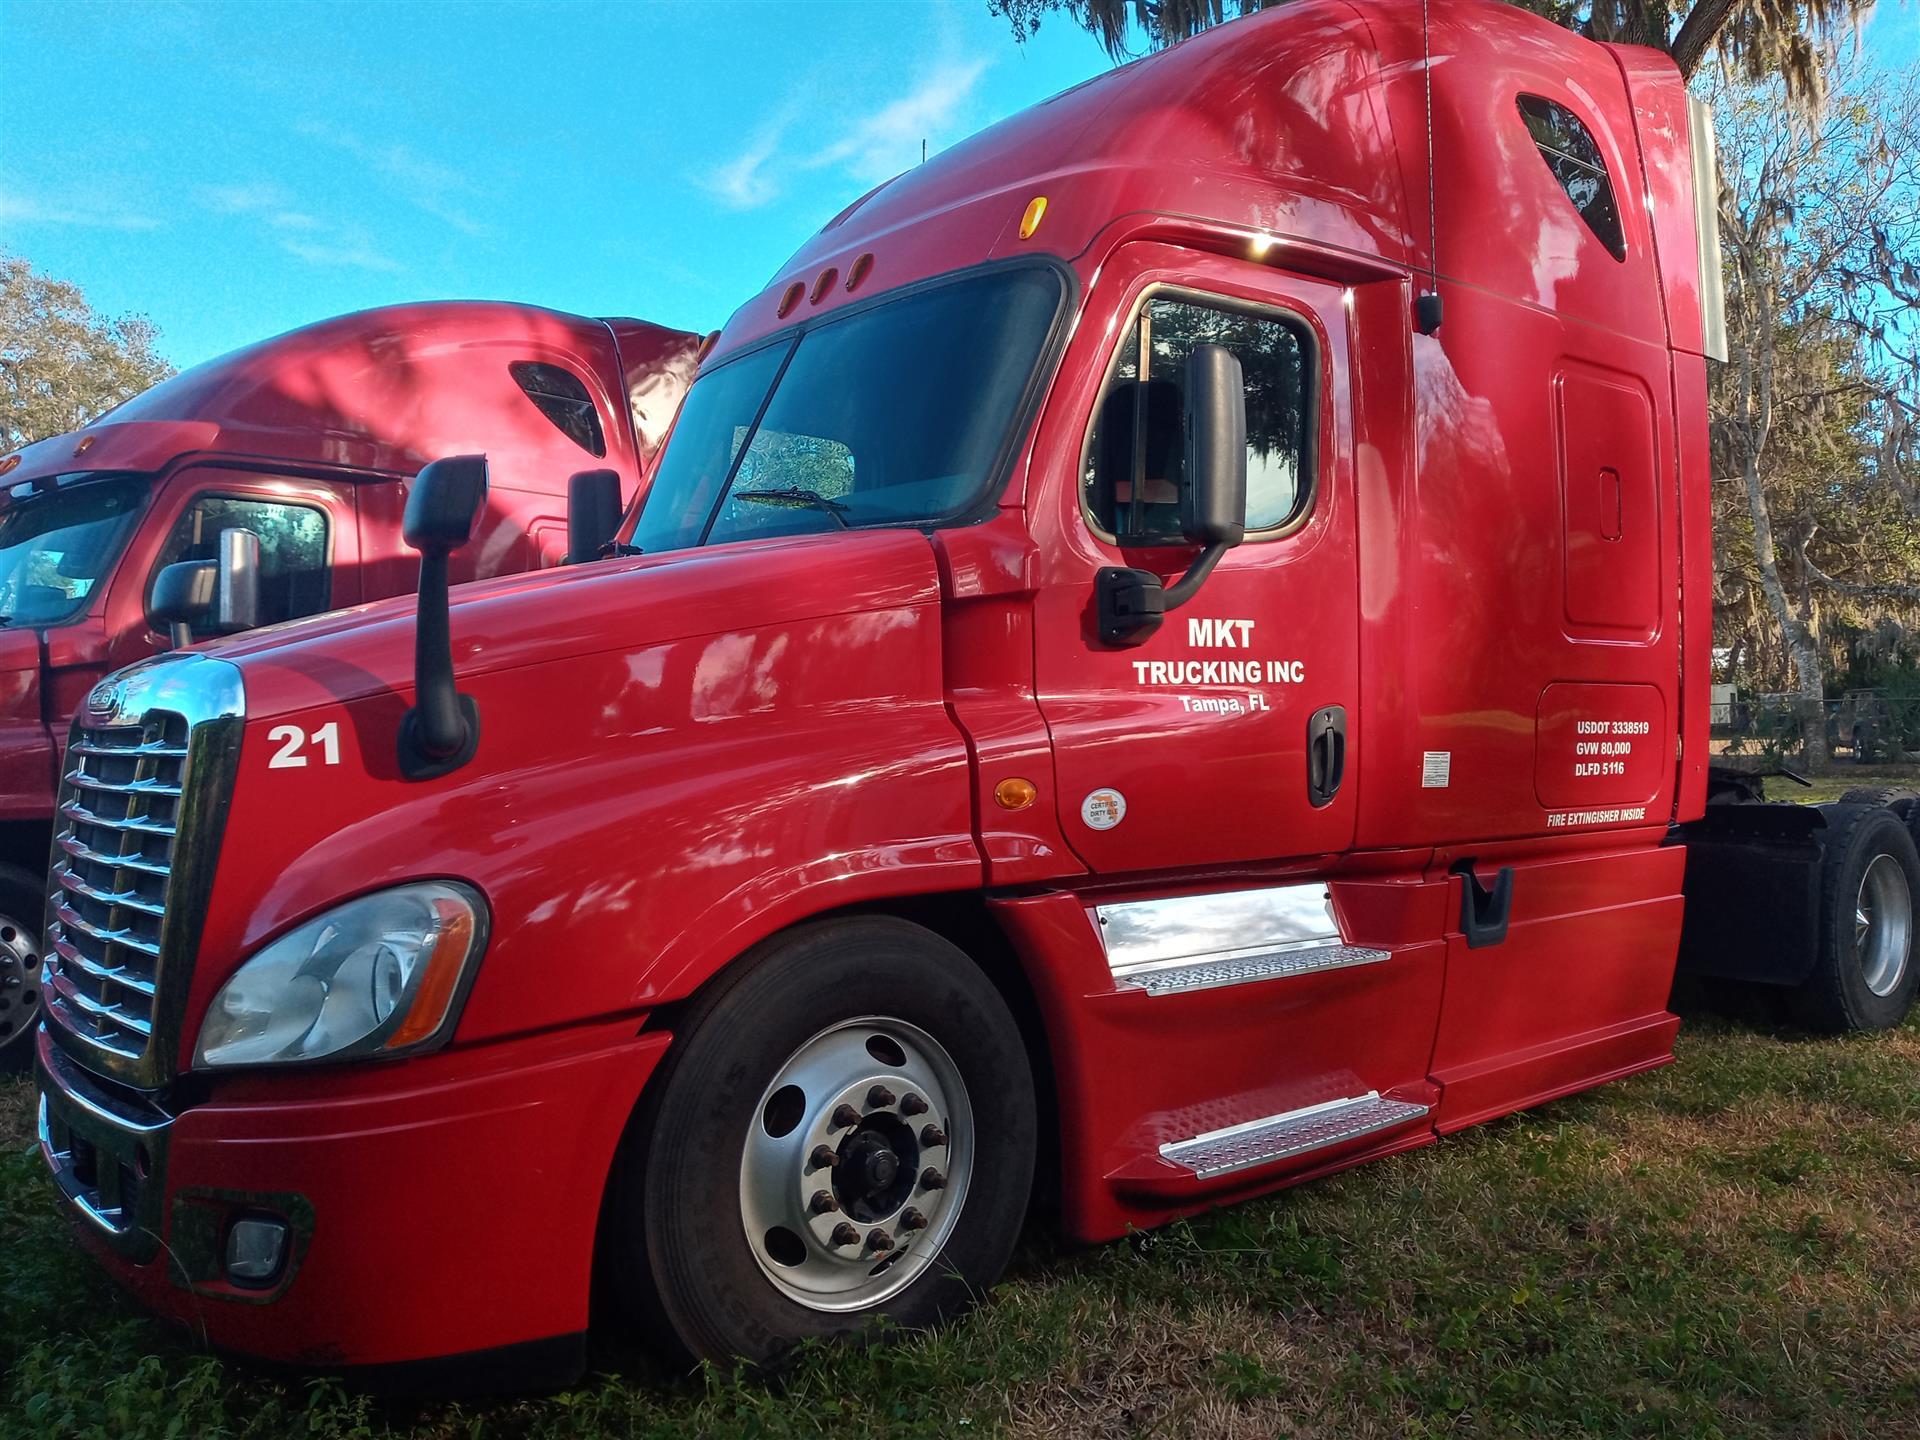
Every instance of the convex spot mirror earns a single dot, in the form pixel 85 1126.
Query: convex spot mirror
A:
pixel 593 514
pixel 220 596
pixel 444 504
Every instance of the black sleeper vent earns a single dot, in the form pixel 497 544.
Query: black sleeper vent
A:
pixel 1574 157
pixel 564 400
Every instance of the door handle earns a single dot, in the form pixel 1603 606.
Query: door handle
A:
pixel 1326 754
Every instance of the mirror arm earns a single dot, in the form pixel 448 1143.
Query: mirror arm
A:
pixel 179 634
pixel 1188 585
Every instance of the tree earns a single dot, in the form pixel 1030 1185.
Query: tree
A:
pixel 1820 227
pixel 61 363
pixel 1790 39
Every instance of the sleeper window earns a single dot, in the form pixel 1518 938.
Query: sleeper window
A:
pixel 1574 157
pixel 1136 451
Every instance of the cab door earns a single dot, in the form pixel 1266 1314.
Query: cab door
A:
pixel 1228 736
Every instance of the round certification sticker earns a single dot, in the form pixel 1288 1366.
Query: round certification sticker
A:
pixel 1103 809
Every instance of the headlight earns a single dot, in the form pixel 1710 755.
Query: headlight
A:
pixel 381 975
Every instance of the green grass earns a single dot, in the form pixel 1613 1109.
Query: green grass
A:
pixel 1726 1248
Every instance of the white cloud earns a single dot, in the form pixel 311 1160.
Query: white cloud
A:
pixel 301 235
pixel 743 183
pixel 348 254
pixel 72 210
pixel 430 187
pixel 880 145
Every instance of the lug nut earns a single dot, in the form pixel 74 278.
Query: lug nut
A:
pixel 913 1105
pixel 844 1234
pixel 912 1219
pixel 879 1241
pixel 824 1157
pixel 822 1202
pixel 932 1179
pixel 932 1137
pixel 879 1098
pixel 844 1117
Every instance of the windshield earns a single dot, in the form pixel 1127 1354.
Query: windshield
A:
pixel 892 415
pixel 57 546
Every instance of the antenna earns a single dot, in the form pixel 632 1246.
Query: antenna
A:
pixel 1427 307
pixel 923 149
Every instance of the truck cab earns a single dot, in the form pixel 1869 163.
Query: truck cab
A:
pixel 309 442
pixel 1167 649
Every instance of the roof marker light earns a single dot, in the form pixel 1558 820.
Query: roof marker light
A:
pixel 1036 212
pixel 790 298
pixel 823 284
pixel 10 462
pixel 857 271
pixel 1258 247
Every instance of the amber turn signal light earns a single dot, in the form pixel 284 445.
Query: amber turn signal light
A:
pixel 1015 794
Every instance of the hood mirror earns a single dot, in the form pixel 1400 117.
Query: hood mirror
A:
pixel 220 596
pixel 442 730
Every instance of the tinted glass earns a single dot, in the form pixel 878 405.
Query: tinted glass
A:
pixel 894 415
pixel 58 546
pixel 294 580
pixel 564 399
pixel 1274 361
pixel 1574 157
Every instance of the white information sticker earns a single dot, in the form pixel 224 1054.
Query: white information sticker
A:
pixel 1103 809
pixel 1436 769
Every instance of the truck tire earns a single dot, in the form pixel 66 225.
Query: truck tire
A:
pixel 21 902
pixel 1896 798
pixel 843 1131
pixel 1864 977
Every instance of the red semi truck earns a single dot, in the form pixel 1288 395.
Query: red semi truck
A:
pixel 1169 650
pixel 307 442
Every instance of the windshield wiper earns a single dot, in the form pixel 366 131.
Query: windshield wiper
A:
pixel 796 498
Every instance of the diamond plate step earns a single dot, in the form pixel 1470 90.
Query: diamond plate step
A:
pixel 1279 1137
pixel 1245 969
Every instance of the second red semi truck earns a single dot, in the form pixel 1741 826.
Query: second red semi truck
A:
pixel 1169 650
pixel 307 442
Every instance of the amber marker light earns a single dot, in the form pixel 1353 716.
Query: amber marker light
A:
pixel 9 463
pixel 857 271
pixel 1036 212
pixel 86 444
pixel 790 299
pixel 1015 794
pixel 444 967
pixel 823 284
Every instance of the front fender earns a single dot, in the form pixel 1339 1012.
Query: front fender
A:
pixel 634 817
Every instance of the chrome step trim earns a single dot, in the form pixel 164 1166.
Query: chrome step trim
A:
pixel 1179 978
pixel 1281 1137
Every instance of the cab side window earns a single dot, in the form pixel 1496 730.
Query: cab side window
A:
pixel 294 579
pixel 1574 157
pixel 1136 448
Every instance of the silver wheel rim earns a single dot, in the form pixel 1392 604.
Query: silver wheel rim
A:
pixel 847 1232
pixel 19 978
pixel 1883 925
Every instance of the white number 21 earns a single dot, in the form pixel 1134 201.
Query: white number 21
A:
pixel 291 737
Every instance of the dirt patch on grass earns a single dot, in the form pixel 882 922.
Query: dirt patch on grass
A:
pixel 16 1113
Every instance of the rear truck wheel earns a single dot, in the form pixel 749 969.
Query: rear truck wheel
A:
pixel 843 1133
pixel 1897 798
pixel 21 971
pixel 1864 977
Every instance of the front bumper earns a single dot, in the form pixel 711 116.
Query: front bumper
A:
pixel 439 1207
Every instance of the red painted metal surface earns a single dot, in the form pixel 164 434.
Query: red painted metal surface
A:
pixel 340 415
pixel 682 754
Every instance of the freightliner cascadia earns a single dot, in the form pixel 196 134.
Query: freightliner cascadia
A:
pixel 306 442
pixel 1169 649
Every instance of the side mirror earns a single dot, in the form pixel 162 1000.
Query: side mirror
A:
pixel 221 595
pixel 442 730
pixel 593 514
pixel 1213 500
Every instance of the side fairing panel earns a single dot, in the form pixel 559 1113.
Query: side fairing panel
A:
pixel 636 816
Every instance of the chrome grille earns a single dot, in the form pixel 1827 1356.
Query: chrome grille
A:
pixel 114 839
pixel 143 803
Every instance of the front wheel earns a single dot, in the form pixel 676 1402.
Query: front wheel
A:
pixel 21 970
pixel 844 1132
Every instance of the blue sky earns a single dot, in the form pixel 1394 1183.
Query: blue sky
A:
pixel 236 169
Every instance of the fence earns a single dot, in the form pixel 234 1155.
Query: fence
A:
pixel 1867 727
